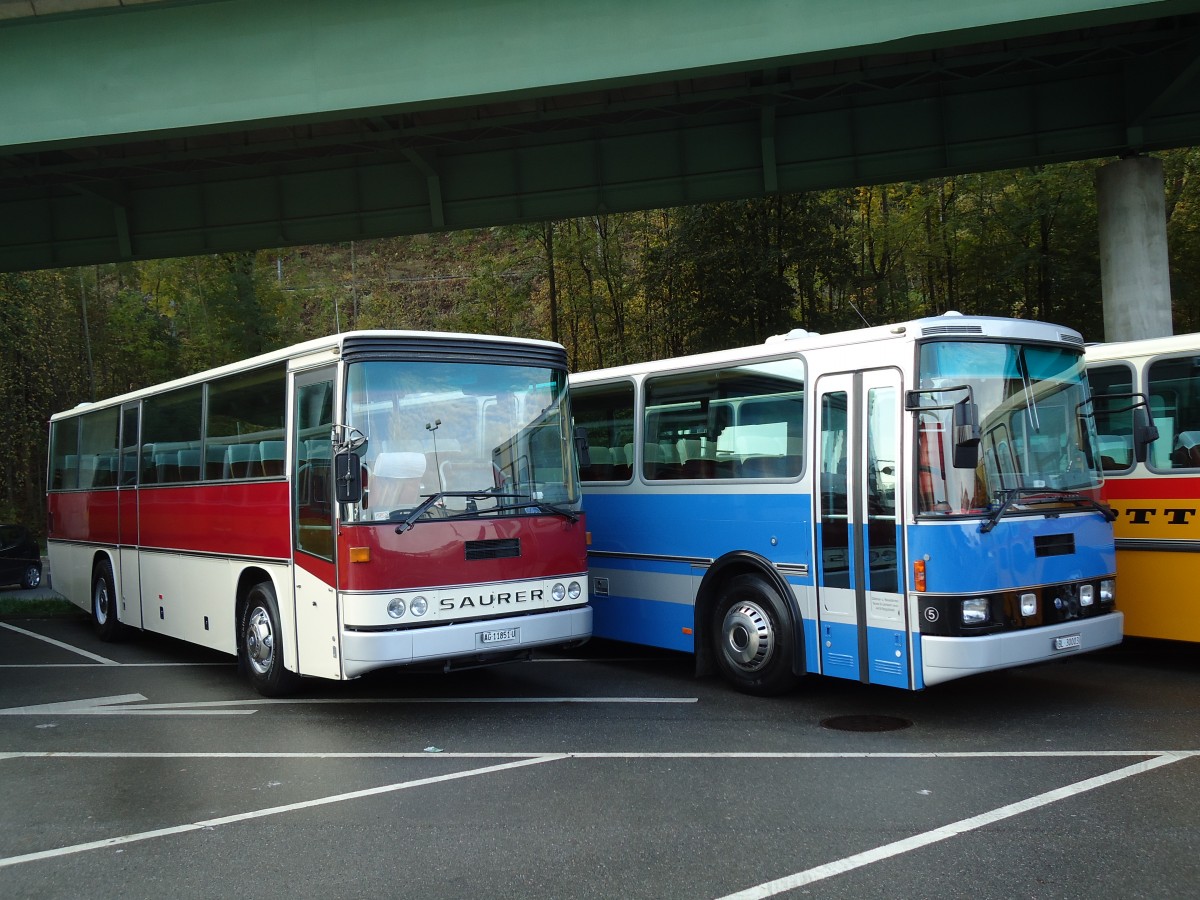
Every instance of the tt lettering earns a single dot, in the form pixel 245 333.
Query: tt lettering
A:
pixel 1175 516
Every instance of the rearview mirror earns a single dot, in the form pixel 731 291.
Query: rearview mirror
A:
pixel 966 434
pixel 347 477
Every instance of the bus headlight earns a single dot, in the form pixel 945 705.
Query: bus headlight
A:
pixel 558 592
pixel 1087 595
pixel 574 590
pixel 1108 590
pixel 1028 605
pixel 396 607
pixel 418 606
pixel 975 611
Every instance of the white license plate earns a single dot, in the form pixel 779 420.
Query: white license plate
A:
pixel 1067 642
pixel 501 636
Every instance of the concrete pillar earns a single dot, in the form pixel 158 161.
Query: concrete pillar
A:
pixel 1135 273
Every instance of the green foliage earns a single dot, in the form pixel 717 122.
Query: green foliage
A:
pixel 613 288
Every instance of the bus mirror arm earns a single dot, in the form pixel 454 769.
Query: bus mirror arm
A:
pixel 347 477
pixel 966 421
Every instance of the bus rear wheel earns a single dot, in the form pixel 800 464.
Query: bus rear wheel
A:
pixel 753 637
pixel 104 603
pixel 260 644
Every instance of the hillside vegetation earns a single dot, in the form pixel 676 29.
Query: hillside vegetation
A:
pixel 613 289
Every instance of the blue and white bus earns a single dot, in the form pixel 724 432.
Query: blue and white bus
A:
pixel 898 505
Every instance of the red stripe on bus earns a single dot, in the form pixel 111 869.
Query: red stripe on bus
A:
pixel 1152 488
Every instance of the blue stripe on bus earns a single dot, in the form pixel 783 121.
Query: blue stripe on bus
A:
pixel 649 622
pixel 960 559
pixel 704 525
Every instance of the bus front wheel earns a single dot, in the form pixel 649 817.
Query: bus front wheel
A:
pixel 104 603
pixel 752 637
pixel 260 644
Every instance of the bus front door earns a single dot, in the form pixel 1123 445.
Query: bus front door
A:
pixel 863 622
pixel 127 518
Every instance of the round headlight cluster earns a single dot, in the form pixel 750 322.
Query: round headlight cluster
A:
pixel 559 592
pixel 416 607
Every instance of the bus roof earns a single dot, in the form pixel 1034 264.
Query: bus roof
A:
pixel 1172 343
pixel 949 325
pixel 331 343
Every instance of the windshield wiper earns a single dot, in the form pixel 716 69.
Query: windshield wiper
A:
pixel 1039 496
pixel 525 503
pixel 432 499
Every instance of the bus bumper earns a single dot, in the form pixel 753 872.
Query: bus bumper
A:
pixel 363 651
pixel 947 658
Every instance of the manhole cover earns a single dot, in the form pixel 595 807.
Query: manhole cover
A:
pixel 866 723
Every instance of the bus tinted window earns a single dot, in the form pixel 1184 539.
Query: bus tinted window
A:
pixel 244 435
pixel 170 426
pixel 1174 389
pixel 98 448
pixel 64 454
pixel 1114 417
pixel 741 422
pixel 606 413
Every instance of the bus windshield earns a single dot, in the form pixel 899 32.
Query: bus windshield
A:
pixel 1037 435
pixel 491 439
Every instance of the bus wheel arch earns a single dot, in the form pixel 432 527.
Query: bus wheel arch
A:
pixel 748 627
pixel 261 641
pixel 104 600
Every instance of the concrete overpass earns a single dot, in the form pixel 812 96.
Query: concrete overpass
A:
pixel 174 127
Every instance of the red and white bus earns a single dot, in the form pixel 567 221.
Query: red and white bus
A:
pixel 374 499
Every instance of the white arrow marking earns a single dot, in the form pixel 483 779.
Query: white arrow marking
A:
pixel 108 706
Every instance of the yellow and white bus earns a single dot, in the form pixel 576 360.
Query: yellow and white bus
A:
pixel 1157 501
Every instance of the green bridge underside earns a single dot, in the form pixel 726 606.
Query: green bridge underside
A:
pixel 177 128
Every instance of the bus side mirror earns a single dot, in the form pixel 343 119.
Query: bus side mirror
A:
pixel 581 446
pixel 1085 443
pixel 966 434
pixel 1145 433
pixel 347 477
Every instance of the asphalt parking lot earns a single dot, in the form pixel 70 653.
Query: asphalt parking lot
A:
pixel 148 769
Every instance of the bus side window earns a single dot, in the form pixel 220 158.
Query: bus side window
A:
pixel 1114 420
pixel 1174 388
pixel 313 495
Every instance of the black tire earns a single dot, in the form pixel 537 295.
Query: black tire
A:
pixel 104 603
pixel 260 644
pixel 32 577
pixel 752 637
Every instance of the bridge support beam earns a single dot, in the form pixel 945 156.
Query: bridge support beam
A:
pixel 1134 269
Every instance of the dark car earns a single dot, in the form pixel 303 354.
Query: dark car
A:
pixel 20 558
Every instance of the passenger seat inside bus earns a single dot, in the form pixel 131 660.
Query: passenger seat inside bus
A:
pixel 1187 450
pixel 394 480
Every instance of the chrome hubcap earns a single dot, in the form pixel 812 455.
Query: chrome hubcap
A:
pixel 100 601
pixel 746 637
pixel 260 643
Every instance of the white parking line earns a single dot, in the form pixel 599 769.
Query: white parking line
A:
pixel 261 813
pixel 769 889
pixel 616 754
pixel 858 860
pixel 104 661
pixel 121 705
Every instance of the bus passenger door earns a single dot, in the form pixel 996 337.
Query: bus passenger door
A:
pixel 862 617
pixel 313 570
pixel 127 518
